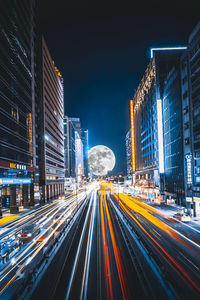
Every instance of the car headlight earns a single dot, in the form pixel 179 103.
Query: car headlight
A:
pixel 29 234
pixel 19 235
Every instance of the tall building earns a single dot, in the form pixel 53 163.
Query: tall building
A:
pixel 69 148
pixel 84 139
pixel 50 108
pixel 190 76
pixel 75 148
pixel 173 135
pixel 79 157
pixel 17 103
pixel 128 154
pixel 148 119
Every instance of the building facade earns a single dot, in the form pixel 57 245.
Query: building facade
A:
pixel 146 136
pixel 84 139
pixel 75 149
pixel 150 133
pixel 50 107
pixel 69 148
pixel 173 135
pixel 79 167
pixel 190 76
pixel 17 104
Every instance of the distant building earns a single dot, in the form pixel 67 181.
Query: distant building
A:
pixel 190 78
pixel 128 154
pixel 50 107
pixel 84 139
pixel 17 104
pixel 75 148
pixel 79 169
pixel 77 124
pixel 69 148
pixel 79 157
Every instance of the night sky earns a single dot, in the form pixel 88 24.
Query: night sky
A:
pixel 102 54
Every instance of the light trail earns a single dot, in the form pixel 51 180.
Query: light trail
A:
pixel 145 212
pixel 106 254
pixel 37 247
pixel 169 259
pixel 118 260
pixel 72 276
pixel 88 251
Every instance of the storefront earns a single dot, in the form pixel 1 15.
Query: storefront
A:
pixel 16 186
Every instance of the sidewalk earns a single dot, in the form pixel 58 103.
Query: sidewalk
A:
pixel 8 217
pixel 169 210
pixel 172 210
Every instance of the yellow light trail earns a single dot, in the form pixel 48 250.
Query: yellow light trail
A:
pixel 118 260
pixel 105 253
pixel 127 203
pixel 132 135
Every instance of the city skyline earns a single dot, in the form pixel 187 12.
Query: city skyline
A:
pixel 83 90
pixel 105 53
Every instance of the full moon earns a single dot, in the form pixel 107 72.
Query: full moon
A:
pixel 101 159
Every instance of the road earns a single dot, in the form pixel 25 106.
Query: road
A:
pixel 18 261
pixel 174 247
pixel 116 247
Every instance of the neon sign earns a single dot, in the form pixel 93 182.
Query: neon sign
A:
pixel 188 158
pixel 15 180
pixel 132 135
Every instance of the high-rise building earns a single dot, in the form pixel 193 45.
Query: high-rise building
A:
pixel 79 167
pixel 77 124
pixel 69 148
pixel 148 119
pixel 75 148
pixel 190 76
pixel 128 154
pixel 50 109
pixel 84 139
pixel 17 103
pixel 79 157
pixel 173 135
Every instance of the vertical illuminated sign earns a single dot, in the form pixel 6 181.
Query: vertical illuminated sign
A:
pixel 188 158
pixel 132 135
pixel 160 136
pixel 30 133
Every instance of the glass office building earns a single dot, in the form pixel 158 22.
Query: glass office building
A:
pixel 190 81
pixel 69 148
pixel 17 113
pixel 150 132
pixel 172 135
